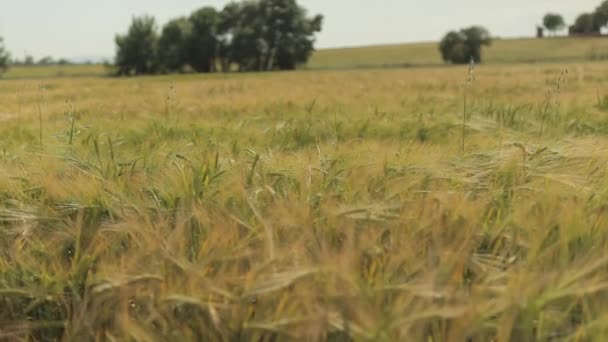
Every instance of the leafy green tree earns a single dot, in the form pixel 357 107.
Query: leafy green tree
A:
pixel 554 22
pixel 290 33
pixel 29 60
pixel 47 60
pixel 137 49
pixel 173 43
pixel 5 57
pixel 459 47
pixel 452 48
pixel 586 23
pixel 253 35
pixel 476 38
pixel 203 45
pixel 269 34
pixel 601 14
pixel 231 27
pixel 247 45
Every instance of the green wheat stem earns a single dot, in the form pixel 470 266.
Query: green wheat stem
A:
pixel 464 121
pixel 40 123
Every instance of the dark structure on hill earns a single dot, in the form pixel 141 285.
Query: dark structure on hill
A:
pixel 540 32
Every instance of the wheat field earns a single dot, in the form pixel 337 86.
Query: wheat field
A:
pixel 369 205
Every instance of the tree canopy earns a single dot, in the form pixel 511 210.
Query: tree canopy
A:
pixel 202 45
pixel 554 22
pixel 137 50
pixel 254 35
pixel 592 22
pixel 459 47
pixel 172 45
pixel 4 57
pixel 586 23
pixel 601 14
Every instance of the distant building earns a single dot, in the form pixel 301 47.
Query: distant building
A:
pixel 540 32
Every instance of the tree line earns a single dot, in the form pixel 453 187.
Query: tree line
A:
pixel 29 60
pixel 251 35
pixel 465 45
pixel 5 57
pixel 592 22
pixel 586 23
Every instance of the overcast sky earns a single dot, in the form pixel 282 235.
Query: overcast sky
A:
pixel 77 28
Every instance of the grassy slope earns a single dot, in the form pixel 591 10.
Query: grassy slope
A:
pixel 502 51
pixel 55 71
pixel 312 205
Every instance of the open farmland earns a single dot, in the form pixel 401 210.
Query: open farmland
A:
pixel 51 71
pixel 507 51
pixel 321 205
pixel 563 49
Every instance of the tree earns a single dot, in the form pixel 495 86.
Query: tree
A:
pixel 459 47
pixel 230 30
pixel 601 15
pixel 289 34
pixel 452 48
pixel 137 50
pixel 586 23
pixel 29 60
pixel 172 45
pixel 268 34
pixel 5 58
pixel 554 22
pixel 47 60
pixel 203 46
pixel 244 45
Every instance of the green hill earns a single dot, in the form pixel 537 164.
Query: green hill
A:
pixel 501 51
pixel 46 71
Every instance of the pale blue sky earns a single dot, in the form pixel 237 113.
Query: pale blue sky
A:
pixel 75 28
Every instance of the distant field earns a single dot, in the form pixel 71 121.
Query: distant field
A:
pixel 502 51
pixel 399 55
pixel 55 71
